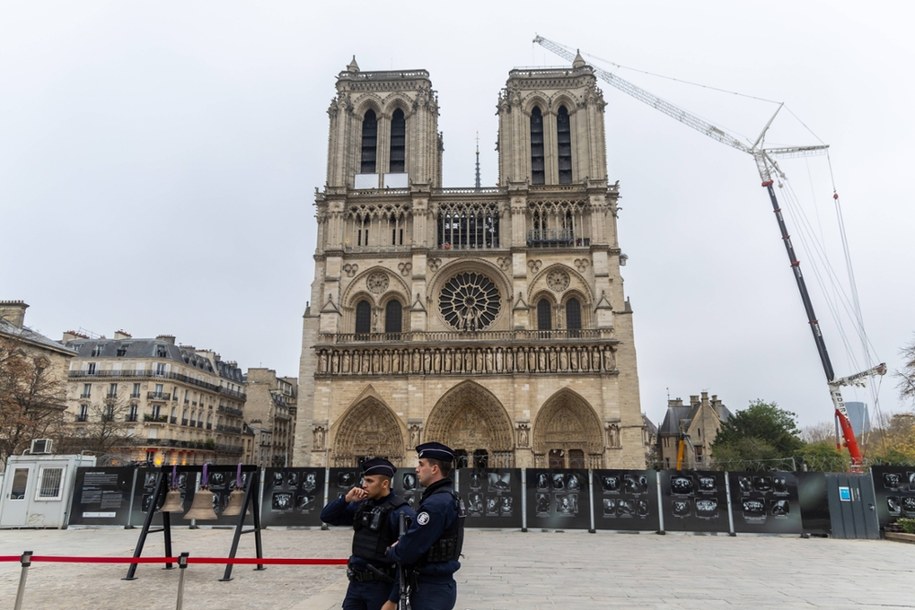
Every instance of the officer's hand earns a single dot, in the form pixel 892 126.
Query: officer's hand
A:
pixel 355 494
pixel 389 605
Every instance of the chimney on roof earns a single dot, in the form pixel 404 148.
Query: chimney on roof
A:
pixel 122 334
pixel 170 339
pixel 13 312
pixel 693 400
pixel 72 335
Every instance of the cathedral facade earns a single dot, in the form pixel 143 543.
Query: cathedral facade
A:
pixel 491 319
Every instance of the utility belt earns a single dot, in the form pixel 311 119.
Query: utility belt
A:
pixel 366 573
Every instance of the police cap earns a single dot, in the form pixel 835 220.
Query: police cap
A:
pixel 435 451
pixel 378 466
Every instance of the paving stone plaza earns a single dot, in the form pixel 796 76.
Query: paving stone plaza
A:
pixel 502 569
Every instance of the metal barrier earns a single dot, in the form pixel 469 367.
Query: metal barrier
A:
pixel 28 557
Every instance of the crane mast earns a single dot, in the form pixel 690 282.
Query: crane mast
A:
pixel 767 166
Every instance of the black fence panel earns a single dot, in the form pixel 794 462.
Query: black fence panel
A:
pixel 765 502
pixel 558 499
pixel 626 500
pixel 101 496
pixel 694 501
pixel 292 497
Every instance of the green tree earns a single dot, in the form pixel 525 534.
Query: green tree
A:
pixel 760 437
pixel 823 456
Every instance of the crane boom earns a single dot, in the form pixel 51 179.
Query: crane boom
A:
pixel 766 165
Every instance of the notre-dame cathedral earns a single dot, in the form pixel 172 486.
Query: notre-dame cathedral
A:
pixel 491 319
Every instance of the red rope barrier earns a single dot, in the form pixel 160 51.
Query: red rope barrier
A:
pixel 222 560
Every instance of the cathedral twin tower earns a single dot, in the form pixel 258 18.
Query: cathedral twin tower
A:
pixel 490 319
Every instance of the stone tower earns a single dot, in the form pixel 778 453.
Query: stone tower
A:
pixel 490 319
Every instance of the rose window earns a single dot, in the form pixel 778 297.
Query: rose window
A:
pixel 469 301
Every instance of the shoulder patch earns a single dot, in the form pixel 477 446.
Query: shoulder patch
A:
pixel 422 518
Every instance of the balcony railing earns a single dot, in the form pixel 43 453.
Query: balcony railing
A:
pixel 158 395
pixel 155 419
pixel 492 337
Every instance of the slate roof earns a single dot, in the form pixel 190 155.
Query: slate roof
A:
pixel 27 335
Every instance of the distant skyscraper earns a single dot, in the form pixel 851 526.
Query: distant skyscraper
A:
pixel 858 415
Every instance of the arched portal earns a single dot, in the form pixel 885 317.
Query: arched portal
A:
pixel 567 433
pixel 470 420
pixel 369 428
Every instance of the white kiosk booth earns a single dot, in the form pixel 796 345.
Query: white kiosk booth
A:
pixel 37 489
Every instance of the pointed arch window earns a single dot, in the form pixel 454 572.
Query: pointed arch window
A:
pixel 369 142
pixel 393 319
pixel 363 320
pixel 537 161
pixel 398 142
pixel 564 142
pixel 544 315
pixel 573 317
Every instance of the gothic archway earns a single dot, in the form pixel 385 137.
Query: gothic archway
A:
pixel 567 433
pixel 369 428
pixel 470 420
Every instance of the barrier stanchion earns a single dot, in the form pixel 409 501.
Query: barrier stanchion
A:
pixel 26 561
pixel 182 564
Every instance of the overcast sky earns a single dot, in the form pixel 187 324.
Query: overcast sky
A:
pixel 158 162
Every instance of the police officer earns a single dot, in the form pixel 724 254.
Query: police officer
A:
pixel 432 545
pixel 374 512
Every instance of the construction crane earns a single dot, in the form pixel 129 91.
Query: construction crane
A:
pixel 767 167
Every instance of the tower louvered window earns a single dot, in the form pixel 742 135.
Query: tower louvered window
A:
pixel 537 161
pixel 369 142
pixel 564 142
pixel 398 142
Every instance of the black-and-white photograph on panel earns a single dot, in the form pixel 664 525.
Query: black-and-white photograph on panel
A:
pixel 492 498
pixel 293 497
pixel 694 501
pixel 894 487
pixel 406 485
pixel 765 502
pixel 626 499
pixel 558 499
pixel 181 478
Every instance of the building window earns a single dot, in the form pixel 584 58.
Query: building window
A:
pixel 96 350
pixel 398 142
pixel 544 315
pixel 83 414
pixel 161 351
pixel 136 391
pixel 537 161
pixel 160 369
pixel 156 412
pixel 108 413
pixel 49 483
pixel 564 142
pixel 362 229
pixel 122 351
pixel 469 301
pixel 91 368
pixel 463 226
pixel 393 317
pixel 363 319
pixel 369 142
pixel 396 224
pixel 131 412
pixel 573 317
pixel 87 390
pixel 112 390
pixel 159 393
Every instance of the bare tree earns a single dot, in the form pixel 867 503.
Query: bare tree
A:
pixel 907 374
pixel 32 398
pixel 823 431
pixel 105 431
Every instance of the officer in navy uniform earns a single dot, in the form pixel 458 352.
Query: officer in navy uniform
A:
pixel 431 546
pixel 374 512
